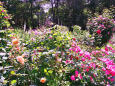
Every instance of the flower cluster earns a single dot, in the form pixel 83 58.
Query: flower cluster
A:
pixel 16 50
pixel 101 28
pixel 87 64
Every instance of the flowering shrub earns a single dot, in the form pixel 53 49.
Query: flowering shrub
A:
pixel 101 29
pixel 3 17
pixel 89 67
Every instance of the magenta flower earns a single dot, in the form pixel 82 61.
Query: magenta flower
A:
pixel 50 37
pixel 83 59
pixel 106 49
pixel 78 48
pixel 2 11
pixel 112 79
pixel 113 51
pixel 93 65
pixel 107 72
pixel 72 77
pixel 76 73
pixel 87 70
pixel 104 69
pixel 98 31
pixel 80 76
pixel 70 49
pixel 110 47
pixel 94 75
pixel 81 53
pixel 91 78
pixel 113 70
pixel 87 55
pixel 110 62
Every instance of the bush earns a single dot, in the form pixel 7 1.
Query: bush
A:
pixel 90 68
pixel 3 17
pixel 101 28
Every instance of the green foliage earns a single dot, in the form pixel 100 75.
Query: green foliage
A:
pixel 79 34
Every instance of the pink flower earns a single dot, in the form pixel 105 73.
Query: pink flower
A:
pixel 108 85
pixel 113 70
pixel 109 77
pixel 33 39
pixel 83 59
pixel 80 76
pixel 113 51
pixel 108 33
pixel 67 61
pixel 91 78
pixel 112 80
pixel 94 75
pixel 76 73
pixel 74 49
pixel 36 32
pixel 59 59
pixel 87 70
pixel 74 39
pixel 110 62
pixel 70 49
pixel 103 54
pixel 6 17
pixel 50 37
pixel 78 48
pixel 108 66
pixel 72 77
pixel 103 26
pixel 93 65
pixel 104 69
pixel 73 44
pixel 106 49
pixel 107 72
pixel 95 52
pixel 109 26
pixel 107 52
pixel 80 53
pixel 102 50
pixel 104 59
pixel 86 54
pixel 71 57
pixel 98 31
pixel 2 11
pixel 20 59
pixel 110 47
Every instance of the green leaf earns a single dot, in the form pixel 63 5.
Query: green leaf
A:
pixel 45 70
pixel 12 73
pixel 47 74
pixel 13 82
pixel 50 71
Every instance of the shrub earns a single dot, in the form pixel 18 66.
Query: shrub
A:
pixel 101 28
pixel 3 17
pixel 90 68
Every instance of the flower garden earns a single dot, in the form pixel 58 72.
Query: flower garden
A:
pixel 54 56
